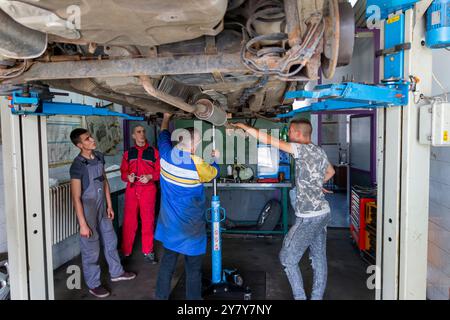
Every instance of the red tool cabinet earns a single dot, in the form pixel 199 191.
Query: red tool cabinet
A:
pixel 358 203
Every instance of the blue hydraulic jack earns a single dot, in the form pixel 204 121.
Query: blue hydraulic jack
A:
pixel 224 283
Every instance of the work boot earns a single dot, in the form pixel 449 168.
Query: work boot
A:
pixel 99 292
pixel 150 258
pixel 124 276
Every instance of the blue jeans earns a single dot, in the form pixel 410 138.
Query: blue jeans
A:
pixel 306 233
pixel 193 270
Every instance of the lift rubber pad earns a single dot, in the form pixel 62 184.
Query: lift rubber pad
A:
pixel 255 280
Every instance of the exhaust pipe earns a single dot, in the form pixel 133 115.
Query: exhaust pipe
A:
pixel 207 111
pixel 204 109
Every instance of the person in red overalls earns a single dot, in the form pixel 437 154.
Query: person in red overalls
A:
pixel 140 169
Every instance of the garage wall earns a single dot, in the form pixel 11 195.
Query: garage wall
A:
pixel 360 69
pixel 334 136
pixel 438 286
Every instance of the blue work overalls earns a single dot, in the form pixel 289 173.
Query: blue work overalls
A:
pixel 93 199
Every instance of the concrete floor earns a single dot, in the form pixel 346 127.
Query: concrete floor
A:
pixel 259 256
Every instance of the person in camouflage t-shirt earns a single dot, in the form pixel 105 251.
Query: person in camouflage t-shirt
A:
pixel 312 170
pixel 311 164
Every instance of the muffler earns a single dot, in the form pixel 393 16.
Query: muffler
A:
pixel 203 109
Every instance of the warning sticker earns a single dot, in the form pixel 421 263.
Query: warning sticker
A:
pixel 216 237
pixel 446 136
pixel 393 19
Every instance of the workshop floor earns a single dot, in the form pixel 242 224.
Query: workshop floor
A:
pixel 258 256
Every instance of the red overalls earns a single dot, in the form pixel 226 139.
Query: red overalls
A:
pixel 139 197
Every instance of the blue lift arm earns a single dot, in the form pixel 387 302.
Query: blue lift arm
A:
pixel 31 104
pixel 350 95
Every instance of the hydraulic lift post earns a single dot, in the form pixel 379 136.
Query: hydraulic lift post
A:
pixel 25 168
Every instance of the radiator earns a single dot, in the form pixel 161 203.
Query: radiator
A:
pixel 64 220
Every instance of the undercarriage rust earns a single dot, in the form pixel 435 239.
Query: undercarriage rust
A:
pixel 242 58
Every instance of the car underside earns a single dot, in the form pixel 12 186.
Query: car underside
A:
pixel 237 56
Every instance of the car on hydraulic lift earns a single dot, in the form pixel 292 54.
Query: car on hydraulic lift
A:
pixel 240 56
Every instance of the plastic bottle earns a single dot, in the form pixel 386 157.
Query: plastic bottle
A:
pixel 229 170
pixel 284 133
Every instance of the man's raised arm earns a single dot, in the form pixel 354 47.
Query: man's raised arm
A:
pixel 265 138
pixel 166 120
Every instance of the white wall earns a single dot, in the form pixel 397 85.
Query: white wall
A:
pixel 338 137
pixel 438 286
pixel 315 125
pixel 361 67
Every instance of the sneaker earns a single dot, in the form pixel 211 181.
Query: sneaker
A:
pixel 124 276
pixel 99 292
pixel 151 258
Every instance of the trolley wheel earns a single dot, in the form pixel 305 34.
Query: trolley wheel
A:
pixel 238 280
pixel 247 294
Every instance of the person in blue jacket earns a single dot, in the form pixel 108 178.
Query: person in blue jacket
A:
pixel 181 223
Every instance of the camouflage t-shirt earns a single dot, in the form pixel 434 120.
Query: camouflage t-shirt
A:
pixel 311 164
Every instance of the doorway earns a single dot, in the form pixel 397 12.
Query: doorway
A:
pixel 349 139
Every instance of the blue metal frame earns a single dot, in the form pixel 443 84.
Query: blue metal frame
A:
pixel 394 34
pixel 17 98
pixel 32 105
pixel 351 95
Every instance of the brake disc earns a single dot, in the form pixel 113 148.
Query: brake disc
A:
pixel 347 33
pixel 339 36
pixel 330 38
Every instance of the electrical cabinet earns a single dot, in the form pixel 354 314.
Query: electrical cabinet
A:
pixel 434 127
